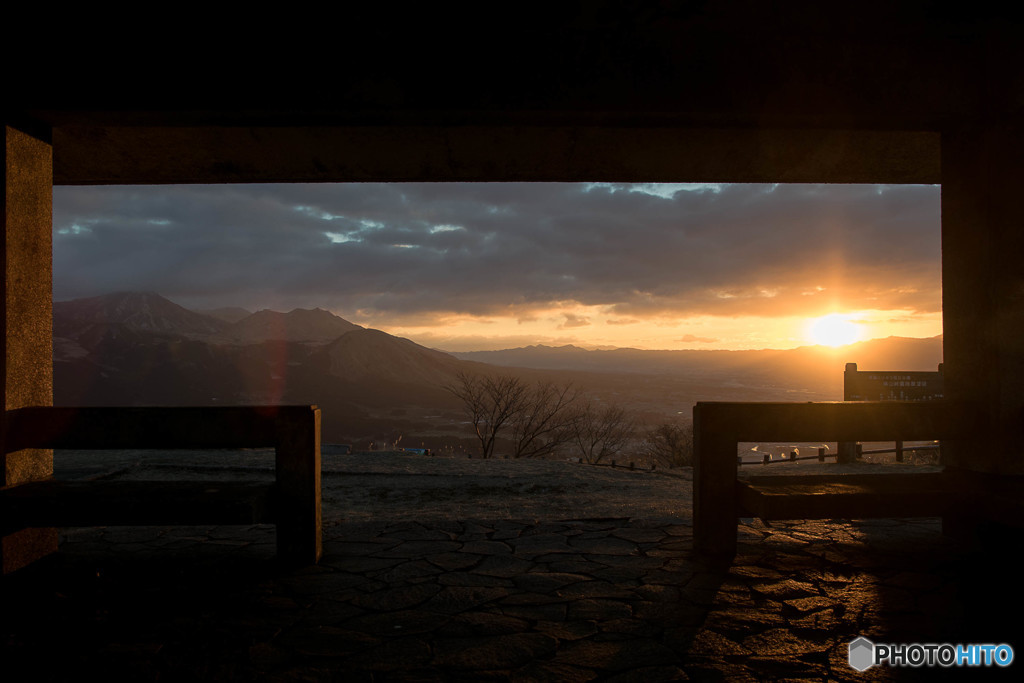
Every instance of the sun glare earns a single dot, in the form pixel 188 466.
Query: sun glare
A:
pixel 835 329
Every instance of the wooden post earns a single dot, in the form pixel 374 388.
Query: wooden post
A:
pixel 299 538
pixel 714 493
pixel 899 451
pixel 982 309
pixel 821 454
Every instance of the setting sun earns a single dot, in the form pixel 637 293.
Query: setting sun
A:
pixel 835 329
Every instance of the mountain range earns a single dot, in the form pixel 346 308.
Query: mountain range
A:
pixel 139 348
pixel 150 313
pixel 814 367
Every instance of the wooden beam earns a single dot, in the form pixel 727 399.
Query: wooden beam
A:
pixel 149 427
pixel 839 421
pixel 85 155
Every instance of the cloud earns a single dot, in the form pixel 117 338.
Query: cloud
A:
pixel 695 338
pixel 573 320
pixel 417 250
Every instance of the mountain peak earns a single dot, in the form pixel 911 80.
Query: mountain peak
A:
pixel 135 311
pixel 369 353
pixel 229 314
pixel 299 325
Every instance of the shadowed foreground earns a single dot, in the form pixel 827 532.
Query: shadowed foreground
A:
pixel 498 599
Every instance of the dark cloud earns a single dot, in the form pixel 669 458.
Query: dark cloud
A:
pixel 412 250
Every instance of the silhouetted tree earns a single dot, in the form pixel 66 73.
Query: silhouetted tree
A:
pixel 670 444
pixel 537 419
pixel 600 432
pixel 491 402
pixel 545 422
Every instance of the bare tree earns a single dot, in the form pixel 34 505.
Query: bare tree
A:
pixel 670 444
pixel 600 432
pixel 539 417
pixel 491 402
pixel 545 422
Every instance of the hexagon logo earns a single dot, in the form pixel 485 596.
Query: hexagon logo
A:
pixel 862 653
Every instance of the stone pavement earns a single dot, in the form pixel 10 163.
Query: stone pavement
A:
pixel 496 600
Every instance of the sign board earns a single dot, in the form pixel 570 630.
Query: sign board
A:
pixel 900 385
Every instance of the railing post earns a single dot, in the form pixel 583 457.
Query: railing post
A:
pixel 846 452
pixel 714 495
pixel 298 486
pixel 899 451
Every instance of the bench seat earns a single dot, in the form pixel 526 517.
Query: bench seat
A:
pixel 54 503
pixel 847 496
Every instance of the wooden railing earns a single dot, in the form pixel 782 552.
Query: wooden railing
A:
pixel 292 502
pixel 718 427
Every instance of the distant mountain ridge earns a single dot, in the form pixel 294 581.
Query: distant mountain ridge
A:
pixel 145 312
pixel 150 313
pixel 229 314
pixel 133 348
pixel 366 354
pixel 905 352
pixel 299 325
pixel 814 366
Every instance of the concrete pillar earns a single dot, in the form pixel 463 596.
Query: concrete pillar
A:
pixel 26 309
pixel 983 291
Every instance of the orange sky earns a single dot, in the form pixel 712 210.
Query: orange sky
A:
pixel 705 332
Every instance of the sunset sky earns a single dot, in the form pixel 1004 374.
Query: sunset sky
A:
pixel 495 265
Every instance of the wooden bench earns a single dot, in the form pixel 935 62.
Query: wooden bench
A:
pixel 720 498
pixel 291 502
